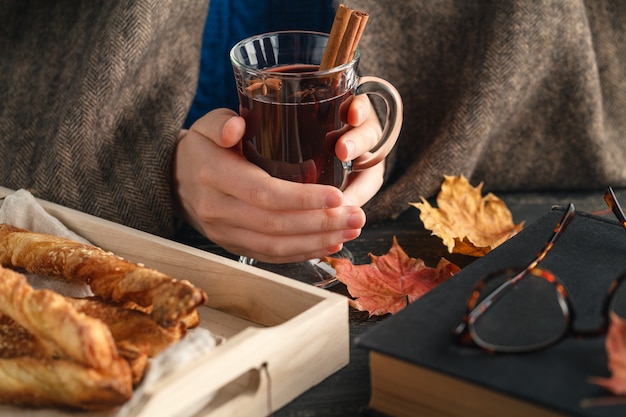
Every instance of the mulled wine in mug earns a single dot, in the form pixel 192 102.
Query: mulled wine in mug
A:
pixel 292 109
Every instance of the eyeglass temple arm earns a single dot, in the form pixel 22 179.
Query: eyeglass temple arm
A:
pixel 459 332
pixel 557 232
pixel 560 227
pixel 611 200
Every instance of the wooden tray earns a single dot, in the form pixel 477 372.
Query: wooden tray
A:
pixel 282 336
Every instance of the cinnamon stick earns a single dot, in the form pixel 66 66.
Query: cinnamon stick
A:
pixel 357 37
pixel 344 37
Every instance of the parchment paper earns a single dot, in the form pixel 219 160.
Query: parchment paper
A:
pixel 21 209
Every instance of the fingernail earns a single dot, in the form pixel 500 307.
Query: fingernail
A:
pixel 351 149
pixel 356 220
pixel 334 249
pixel 351 234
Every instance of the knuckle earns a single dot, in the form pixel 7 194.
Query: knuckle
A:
pixel 275 224
pixel 275 249
pixel 328 221
pixel 304 197
pixel 329 240
pixel 259 195
pixel 207 213
pixel 205 174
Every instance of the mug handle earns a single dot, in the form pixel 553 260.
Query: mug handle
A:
pixel 393 120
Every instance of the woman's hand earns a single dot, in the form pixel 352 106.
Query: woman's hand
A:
pixel 246 211
pixel 363 134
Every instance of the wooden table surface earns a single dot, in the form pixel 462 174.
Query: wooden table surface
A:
pixel 346 393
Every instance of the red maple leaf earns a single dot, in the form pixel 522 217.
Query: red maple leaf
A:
pixel 616 351
pixel 390 282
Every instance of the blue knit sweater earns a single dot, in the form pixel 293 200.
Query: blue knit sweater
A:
pixel 228 22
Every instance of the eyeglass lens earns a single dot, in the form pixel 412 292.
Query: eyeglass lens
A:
pixel 517 313
pixel 530 314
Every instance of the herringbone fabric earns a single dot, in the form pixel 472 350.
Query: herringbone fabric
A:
pixel 520 94
pixel 92 97
pixel 523 95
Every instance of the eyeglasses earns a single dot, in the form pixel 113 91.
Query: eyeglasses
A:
pixel 611 200
pixel 528 309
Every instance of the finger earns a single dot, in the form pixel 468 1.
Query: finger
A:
pixel 195 182
pixel 275 242
pixel 299 222
pixel 355 110
pixel 264 191
pixel 364 134
pixel 289 249
pixel 223 126
pixel 269 235
pixel 215 207
pixel 364 185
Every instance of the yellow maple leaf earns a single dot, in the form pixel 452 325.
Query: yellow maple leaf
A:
pixel 467 222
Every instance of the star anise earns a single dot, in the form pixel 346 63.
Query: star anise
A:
pixel 263 85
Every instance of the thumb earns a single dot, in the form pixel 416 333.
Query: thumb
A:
pixel 223 126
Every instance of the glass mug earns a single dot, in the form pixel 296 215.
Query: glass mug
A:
pixel 292 109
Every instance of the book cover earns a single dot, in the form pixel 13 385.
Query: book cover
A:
pixel 554 381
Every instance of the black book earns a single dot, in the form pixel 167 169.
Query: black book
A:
pixel 417 370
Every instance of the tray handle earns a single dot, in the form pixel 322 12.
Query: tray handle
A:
pixel 224 375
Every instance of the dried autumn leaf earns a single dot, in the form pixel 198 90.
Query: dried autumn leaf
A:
pixel 467 222
pixel 616 352
pixel 391 281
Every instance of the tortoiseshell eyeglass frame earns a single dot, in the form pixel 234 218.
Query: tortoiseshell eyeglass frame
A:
pixel 465 335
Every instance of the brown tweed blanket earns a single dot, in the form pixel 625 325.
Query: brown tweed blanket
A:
pixel 92 97
pixel 520 94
